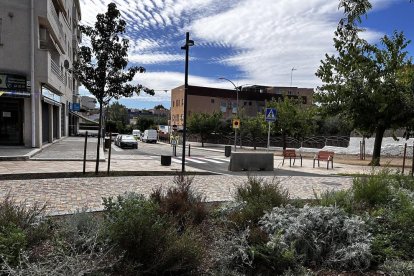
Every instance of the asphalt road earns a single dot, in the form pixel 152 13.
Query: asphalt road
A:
pixel 208 160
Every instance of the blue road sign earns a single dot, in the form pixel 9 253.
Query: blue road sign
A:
pixel 271 114
pixel 75 106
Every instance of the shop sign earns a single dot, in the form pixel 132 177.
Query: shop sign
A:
pixel 13 82
pixel 50 95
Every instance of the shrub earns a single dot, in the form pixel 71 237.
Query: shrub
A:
pixel 182 202
pixel 12 241
pixel 398 267
pixel 372 191
pixel 150 240
pixel 343 199
pixel 20 227
pixel 258 196
pixel 319 236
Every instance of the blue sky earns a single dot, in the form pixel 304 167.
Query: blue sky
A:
pixel 247 41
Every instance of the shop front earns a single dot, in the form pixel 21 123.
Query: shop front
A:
pixel 13 90
pixel 51 115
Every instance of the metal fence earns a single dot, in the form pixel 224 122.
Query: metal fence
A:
pixel 248 141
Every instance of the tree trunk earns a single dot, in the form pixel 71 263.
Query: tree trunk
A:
pixel 99 139
pixel 376 155
pixel 202 141
pixel 284 140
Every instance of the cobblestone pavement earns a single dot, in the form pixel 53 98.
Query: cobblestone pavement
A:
pixel 67 195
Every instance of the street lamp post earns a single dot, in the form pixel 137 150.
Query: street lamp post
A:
pixel 186 47
pixel 291 75
pixel 237 108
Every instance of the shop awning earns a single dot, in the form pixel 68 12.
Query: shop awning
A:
pixel 18 94
pixel 83 117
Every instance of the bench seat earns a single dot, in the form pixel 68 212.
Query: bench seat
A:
pixel 324 156
pixel 291 154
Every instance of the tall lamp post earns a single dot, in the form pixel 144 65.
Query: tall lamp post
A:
pixel 291 75
pixel 237 110
pixel 186 47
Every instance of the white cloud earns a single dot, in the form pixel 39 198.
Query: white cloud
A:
pixel 154 58
pixel 263 39
pixel 274 36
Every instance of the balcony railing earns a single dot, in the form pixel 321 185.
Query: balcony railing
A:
pixel 56 18
pixel 56 70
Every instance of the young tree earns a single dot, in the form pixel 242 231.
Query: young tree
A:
pixel 293 119
pixel 253 127
pixel 204 124
pixel 102 66
pixel 370 85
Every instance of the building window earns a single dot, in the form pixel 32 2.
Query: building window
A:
pixel 245 103
pixel 212 101
pixel 223 107
pixel 182 101
pixel 173 103
pixel 250 103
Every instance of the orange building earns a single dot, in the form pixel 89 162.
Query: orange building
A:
pixel 252 99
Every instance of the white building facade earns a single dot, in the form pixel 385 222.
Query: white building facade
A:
pixel 38 44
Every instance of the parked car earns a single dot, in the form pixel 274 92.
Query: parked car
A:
pixel 126 141
pixel 150 136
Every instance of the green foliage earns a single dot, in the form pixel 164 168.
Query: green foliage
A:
pixel 103 67
pixel 150 240
pixel 20 227
pixel 182 202
pixel 370 85
pixel 343 199
pixel 388 200
pixel 325 236
pixel 117 114
pixel 293 119
pixel 253 127
pixel 371 191
pixel 398 267
pixel 328 125
pixel 144 123
pixel 12 241
pixel 258 196
pixel 160 106
pixel 204 124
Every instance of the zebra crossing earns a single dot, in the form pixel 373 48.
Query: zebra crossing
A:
pixel 198 160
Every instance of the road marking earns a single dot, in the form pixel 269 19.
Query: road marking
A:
pixel 176 160
pixel 222 159
pixel 116 148
pixel 195 160
pixel 210 160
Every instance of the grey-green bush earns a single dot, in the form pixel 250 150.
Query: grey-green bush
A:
pixel 325 236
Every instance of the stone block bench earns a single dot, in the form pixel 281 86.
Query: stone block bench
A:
pixel 251 161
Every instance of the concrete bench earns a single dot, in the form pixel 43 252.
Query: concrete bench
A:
pixel 291 154
pixel 324 156
pixel 251 161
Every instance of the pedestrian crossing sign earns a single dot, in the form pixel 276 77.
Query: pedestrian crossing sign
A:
pixel 271 114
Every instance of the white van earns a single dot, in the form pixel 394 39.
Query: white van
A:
pixel 150 135
pixel 136 133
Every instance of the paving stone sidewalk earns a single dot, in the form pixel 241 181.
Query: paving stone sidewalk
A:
pixel 67 195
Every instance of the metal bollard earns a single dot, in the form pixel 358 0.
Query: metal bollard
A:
pixel 189 149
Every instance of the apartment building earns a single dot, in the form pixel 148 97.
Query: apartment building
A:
pixel 38 43
pixel 251 100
